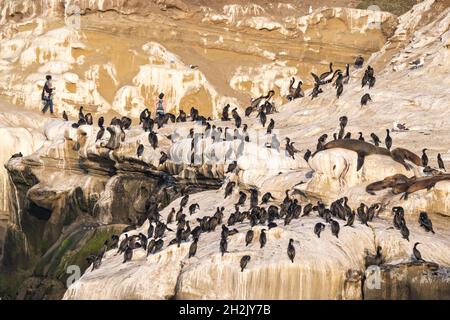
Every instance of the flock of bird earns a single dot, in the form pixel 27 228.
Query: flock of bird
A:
pixel 264 214
pixel 258 214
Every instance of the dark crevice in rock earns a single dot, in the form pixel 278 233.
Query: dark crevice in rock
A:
pixel 39 212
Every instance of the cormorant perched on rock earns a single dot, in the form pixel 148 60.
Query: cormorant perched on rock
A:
pixel 262 117
pixel 342 124
pixel 81 114
pixel 266 198
pixel 388 140
pixel 184 201
pixel 321 141
pixel 100 134
pixel 244 262
pixel 365 98
pixel 237 120
pixel 339 90
pixel 170 216
pixel 225 111
pixel 316 91
pixel 103 249
pixel 318 228
pixel 89 120
pixel 140 150
pixel 424 158
pixel 271 126
pixel 158 245
pixel 307 155
pixel 398 217
pixel 249 237
pixel 324 76
pixel 223 245
pixel 404 231
pixel 440 162
pixel 417 253
pixel 229 188
pixel 375 139
pixel 291 150
pixel 307 210
pixel 335 228
pixel 193 248
pixel 361 138
pixel 242 198
pixel 153 139
pixel 291 250
pixel 128 254
pixel 372 81
pixel 350 219
pixel 123 245
pixel 150 247
pixel 425 222
pixel 253 198
pixel 144 114
pixel 262 238
pixel 193 207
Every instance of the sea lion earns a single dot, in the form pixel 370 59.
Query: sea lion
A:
pixel 402 184
pixel 364 149
pixel 421 183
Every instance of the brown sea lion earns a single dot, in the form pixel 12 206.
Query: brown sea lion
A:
pixel 421 183
pixel 388 182
pixel 402 184
pixel 364 149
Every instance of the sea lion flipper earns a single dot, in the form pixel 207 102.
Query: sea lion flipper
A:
pixel 360 161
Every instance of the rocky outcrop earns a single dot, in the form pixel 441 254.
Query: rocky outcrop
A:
pixel 75 192
pixel 59 219
pixel 126 78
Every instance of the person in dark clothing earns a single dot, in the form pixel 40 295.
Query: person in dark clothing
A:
pixel 47 95
pixel 160 105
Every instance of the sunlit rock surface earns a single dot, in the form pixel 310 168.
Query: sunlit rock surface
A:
pixel 201 55
pixel 80 192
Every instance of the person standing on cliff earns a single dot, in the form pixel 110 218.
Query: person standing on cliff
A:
pixel 160 105
pixel 47 95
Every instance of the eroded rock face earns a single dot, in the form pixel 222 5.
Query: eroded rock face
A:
pixel 124 79
pixel 409 281
pixel 79 190
pixel 67 203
